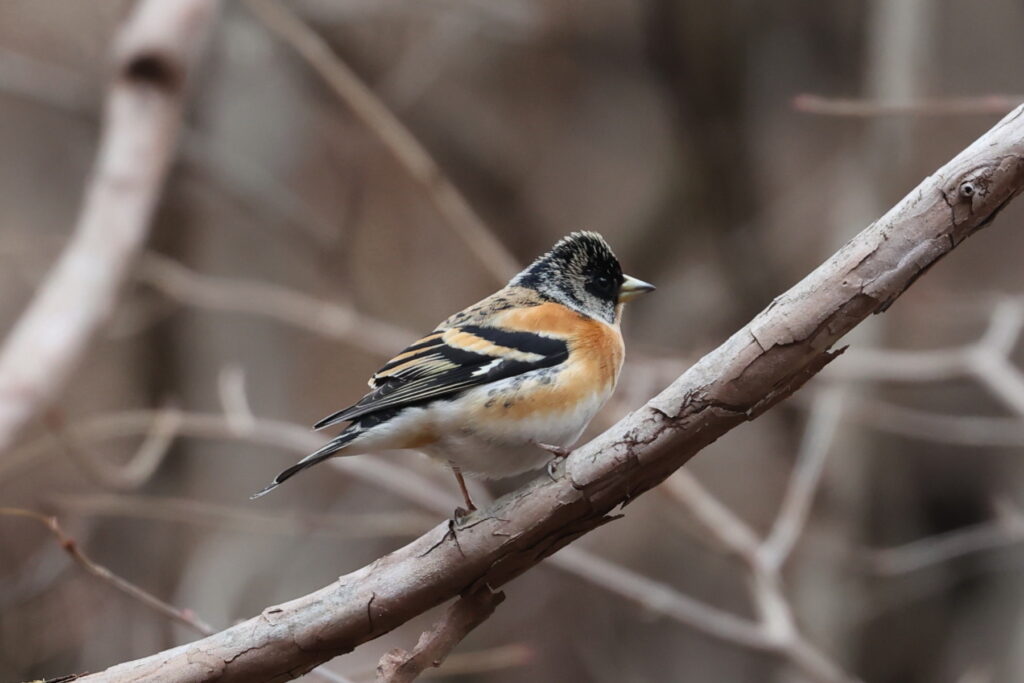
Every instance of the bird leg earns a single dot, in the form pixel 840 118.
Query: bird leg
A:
pixel 559 452
pixel 470 507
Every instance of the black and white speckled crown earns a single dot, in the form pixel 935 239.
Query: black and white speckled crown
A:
pixel 562 273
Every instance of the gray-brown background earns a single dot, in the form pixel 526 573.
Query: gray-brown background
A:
pixel 668 126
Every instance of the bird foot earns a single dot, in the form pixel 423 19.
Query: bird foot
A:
pixel 461 512
pixel 559 452
pixel 552 468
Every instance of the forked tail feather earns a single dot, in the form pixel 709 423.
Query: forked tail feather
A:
pixel 329 449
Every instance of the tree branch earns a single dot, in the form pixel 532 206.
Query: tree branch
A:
pixel 653 597
pixel 336 321
pixel 126 476
pixel 940 106
pixel 757 367
pixel 246 519
pixel 764 559
pixel 72 548
pixel 988 361
pixel 810 464
pixel 941 548
pixel 154 56
pixel 395 137
pixel 465 614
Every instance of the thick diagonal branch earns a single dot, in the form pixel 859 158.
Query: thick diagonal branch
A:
pixel 154 56
pixel 758 366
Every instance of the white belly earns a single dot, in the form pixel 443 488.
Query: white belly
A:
pixel 496 448
pixel 477 443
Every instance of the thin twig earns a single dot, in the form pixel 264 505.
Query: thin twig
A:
pixel 295 308
pixel 474 662
pixel 465 614
pixel 289 436
pixel 776 625
pixel 796 504
pixel 219 516
pixel 662 599
pixel 775 629
pixel 182 616
pixel 731 532
pixel 131 474
pixel 987 360
pixel 233 397
pixel 68 544
pixel 50 84
pixel 1003 532
pixel 964 430
pixel 395 137
pixel 233 172
pixel 944 106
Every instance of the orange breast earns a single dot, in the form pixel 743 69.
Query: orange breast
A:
pixel 595 358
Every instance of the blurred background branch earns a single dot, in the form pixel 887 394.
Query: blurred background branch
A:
pixel 156 52
pixel 950 106
pixel 379 119
pixel 300 237
pixel 74 550
pixel 771 357
pixel 434 646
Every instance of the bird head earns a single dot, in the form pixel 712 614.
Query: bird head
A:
pixel 582 272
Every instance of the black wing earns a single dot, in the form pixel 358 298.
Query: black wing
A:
pixel 449 361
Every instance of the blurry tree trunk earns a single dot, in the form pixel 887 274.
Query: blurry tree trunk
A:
pixel 252 91
pixel 154 56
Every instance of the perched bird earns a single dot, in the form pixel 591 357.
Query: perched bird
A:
pixel 498 387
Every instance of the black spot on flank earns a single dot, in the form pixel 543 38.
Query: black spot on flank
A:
pixel 508 404
pixel 490 403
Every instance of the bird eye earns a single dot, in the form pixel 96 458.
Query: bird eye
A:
pixel 603 284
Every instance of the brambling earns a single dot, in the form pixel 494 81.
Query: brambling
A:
pixel 497 387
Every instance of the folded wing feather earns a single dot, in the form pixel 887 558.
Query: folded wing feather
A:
pixel 448 361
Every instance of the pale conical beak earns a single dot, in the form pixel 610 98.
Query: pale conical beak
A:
pixel 632 288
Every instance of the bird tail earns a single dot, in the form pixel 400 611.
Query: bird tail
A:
pixel 329 449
